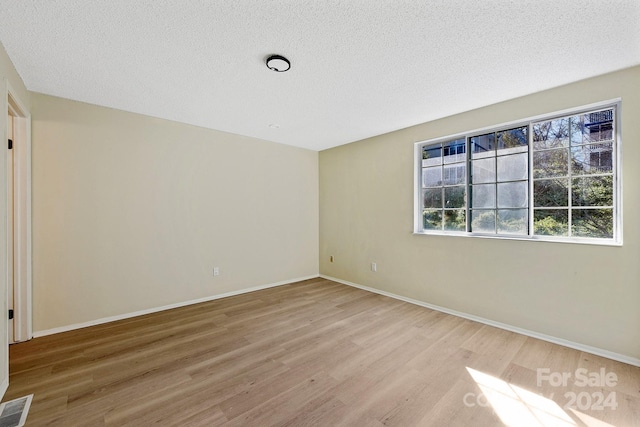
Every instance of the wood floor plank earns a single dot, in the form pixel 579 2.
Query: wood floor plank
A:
pixel 452 409
pixel 312 353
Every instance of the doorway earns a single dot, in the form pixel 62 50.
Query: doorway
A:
pixel 18 219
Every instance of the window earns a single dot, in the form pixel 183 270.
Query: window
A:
pixel 444 192
pixel 552 179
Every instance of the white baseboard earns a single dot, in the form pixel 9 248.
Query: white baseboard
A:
pixel 4 386
pixel 577 346
pixel 165 307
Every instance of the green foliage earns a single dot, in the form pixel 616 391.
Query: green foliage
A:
pixel 432 219
pixel 455 220
pixel 596 223
pixel 550 226
pixel 513 138
pixel 486 221
pixel 587 191
pixel 550 163
pixel 432 198
pixel 551 192
pixel 515 222
pixel 592 191
pixel 455 197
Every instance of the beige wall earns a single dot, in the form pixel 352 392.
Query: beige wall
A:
pixel 132 213
pixel 586 294
pixel 9 75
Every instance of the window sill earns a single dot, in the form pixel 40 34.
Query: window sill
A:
pixel 548 239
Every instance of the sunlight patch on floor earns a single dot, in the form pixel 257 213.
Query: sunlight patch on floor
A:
pixel 519 407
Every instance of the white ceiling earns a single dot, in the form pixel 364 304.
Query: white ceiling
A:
pixel 359 67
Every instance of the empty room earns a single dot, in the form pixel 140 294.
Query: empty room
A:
pixel 320 213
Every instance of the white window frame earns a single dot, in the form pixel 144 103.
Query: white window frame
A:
pixel 616 240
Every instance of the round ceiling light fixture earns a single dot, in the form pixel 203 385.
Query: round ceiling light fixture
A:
pixel 278 63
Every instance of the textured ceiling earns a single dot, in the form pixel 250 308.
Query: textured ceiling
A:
pixel 359 68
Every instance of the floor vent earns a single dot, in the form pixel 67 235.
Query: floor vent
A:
pixel 14 413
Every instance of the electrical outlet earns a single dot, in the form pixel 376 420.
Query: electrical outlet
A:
pixel 331 258
pixel 216 271
pixel 374 267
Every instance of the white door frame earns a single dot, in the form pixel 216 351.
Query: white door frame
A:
pixel 22 261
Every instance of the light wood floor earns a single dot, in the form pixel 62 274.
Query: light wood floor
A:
pixel 309 353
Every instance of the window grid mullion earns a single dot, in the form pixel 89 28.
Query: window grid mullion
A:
pixel 468 183
pixel 530 178
pixel 495 184
pixel 615 171
pixel 570 185
pixel 442 187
